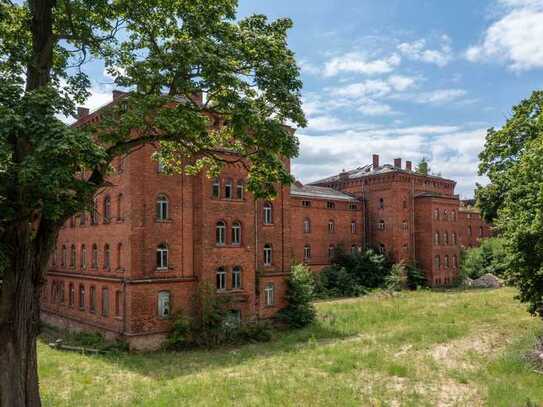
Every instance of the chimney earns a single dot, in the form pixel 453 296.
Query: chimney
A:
pixel 375 161
pixel 397 163
pixel 117 94
pixel 82 112
pixel 408 165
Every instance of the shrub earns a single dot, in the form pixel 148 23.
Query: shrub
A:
pixel 489 257
pixel 415 277
pixel 300 310
pixel 395 280
pixel 405 275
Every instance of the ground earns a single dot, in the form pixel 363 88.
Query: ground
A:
pixel 413 349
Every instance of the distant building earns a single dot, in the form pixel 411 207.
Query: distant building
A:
pixel 152 239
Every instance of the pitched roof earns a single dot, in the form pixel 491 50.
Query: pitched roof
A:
pixel 312 191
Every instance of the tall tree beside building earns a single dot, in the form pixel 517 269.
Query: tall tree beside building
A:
pixel 169 53
pixel 513 161
pixel 422 167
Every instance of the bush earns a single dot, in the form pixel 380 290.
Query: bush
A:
pixel 353 274
pixel 415 276
pixel 395 280
pixel 300 310
pixel 405 275
pixel 489 257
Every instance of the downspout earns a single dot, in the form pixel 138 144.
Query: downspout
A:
pixel 413 239
pixel 256 258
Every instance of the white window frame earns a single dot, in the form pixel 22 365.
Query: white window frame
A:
pixel 269 294
pixel 307 225
pixel 353 227
pixel 162 257
pixel 164 304
pixel 268 213
pixel 236 278
pixel 236 233
pixel 229 189
pixel 307 252
pixel 162 207
pixel 220 233
pixel 221 279
pixel 268 253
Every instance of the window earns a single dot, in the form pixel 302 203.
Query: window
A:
pixel 381 203
pixel 94 256
pixel 162 257
pixel 455 261
pixel 63 256
pixel 162 207
pixel 216 188
pixel 236 233
pixel 404 225
pixel 269 293
pixel 307 252
pixel 453 238
pixel 94 212
pixel 120 207
pixel 445 238
pixel 105 302
pixel 268 213
pixel 306 204
pixel 220 232
pixel 437 263
pixel 331 251
pixel 330 205
pixel 436 214
pixel 72 256
pixel 404 204
pixel 353 226
pixel 82 297
pixel 469 230
pixel 353 206
pixel 61 292
pixel 54 258
pixel 445 214
pixel 331 226
pixel 236 277
pixel 83 259
pixel 118 299
pixel 267 254
pixel 164 304
pixel 354 249
pixel 454 216
pixel 228 193
pixel 240 189
pixel 307 225
pixel 71 295
pixel 107 209
pixel 221 278
pixel 446 259
pixel 107 257
pixel 119 255
pixel 436 238
pixel 382 249
pixel 381 225
pixel 82 219
pixel 93 299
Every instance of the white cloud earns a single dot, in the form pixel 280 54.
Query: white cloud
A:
pixel 418 51
pixel 515 38
pixel 371 107
pixel 355 62
pixel 375 87
pixel 435 97
pixel 308 67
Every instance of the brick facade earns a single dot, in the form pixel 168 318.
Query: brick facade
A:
pixel 155 238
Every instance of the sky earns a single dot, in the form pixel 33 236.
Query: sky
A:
pixel 403 78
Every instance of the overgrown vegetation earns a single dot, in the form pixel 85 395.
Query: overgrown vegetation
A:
pixel 489 257
pixel 90 340
pixel 353 274
pixel 405 275
pixel 300 310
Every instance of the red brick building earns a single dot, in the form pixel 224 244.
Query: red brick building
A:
pixel 153 239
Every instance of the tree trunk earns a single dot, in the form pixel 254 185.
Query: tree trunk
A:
pixel 27 254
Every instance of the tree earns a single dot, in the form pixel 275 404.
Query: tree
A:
pixel 165 53
pixel 300 310
pixel 422 167
pixel 513 161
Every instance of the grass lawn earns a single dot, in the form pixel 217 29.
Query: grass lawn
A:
pixel 415 349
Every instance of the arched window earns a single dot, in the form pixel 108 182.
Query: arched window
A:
pixel 81 296
pixel 307 225
pixel 436 214
pixel 162 257
pixel 107 257
pixel 381 225
pixel 445 214
pixel 216 188
pixel 404 204
pixel 382 248
pixel 307 252
pixel 220 232
pixel 63 256
pixel 437 263
pixel 381 203
pixel 82 219
pixel 268 213
pixel 119 255
pixel 92 307
pixel 331 251
pixel 269 293
pixel 445 238
pixel 455 261
pixel 71 295
pixel 221 278
pixel 105 302
pixel 120 207
pixel 404 224
pixel 469 230
pixel 331 226
pixel 236 233
pixel 353 226
pixel 94 256
pixel 83 259
pixel 228 192
pixel 453 238
pixel 163 304
pixel 240 188
pixel 267 254
pixel 162 207
pixel 72 256
pixel 94 212
pixel 118 303
pixel 446 260
pixel 236 277
pixel 107 209
pixel 436 238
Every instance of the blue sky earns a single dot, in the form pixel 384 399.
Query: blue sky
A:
pixel 404 78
